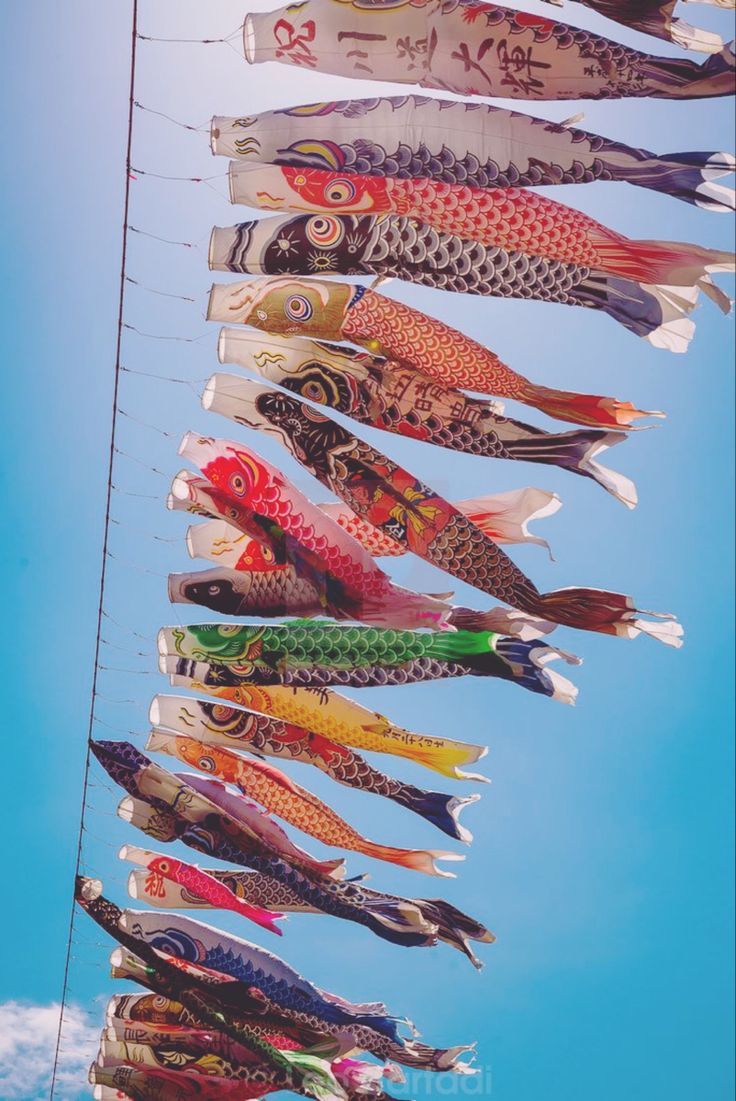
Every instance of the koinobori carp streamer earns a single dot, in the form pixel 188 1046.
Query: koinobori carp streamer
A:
pixel 340 311
pixel 204 814
pixel 237 728
pixel 394 245
pixel 414 513
pixel 308 653
pixel 341 572
pixel 472 144
pixel 280 795
pixel 657 17
pixel 346 721
pixel 400 399
pixel 512 219
pixel 474 48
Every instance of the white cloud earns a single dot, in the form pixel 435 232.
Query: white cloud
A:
pixel 27 1045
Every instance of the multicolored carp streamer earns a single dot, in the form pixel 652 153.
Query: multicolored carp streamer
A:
pixel 313 654
pixel 393 245
pixel 656 17
pixel 511 219
pixel 475 49
pixel 472 144
pixel 281 796
pixel 296 1070
pixel 347 722
pixel 344 576
pixel 191 879
pixel 203 814
pixel 236 728
pixel 400 399
pixel 244 1000
pixel 341 311
pixel 391 498
pixel 282 989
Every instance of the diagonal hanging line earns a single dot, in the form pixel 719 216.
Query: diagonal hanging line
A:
pixel 105 537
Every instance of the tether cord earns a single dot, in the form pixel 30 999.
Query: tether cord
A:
pixel 105 537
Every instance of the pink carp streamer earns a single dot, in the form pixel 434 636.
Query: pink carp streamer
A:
pixel 282 796
pixel 474 49
pixel 340 311
pixel 512 218
pixel 193 879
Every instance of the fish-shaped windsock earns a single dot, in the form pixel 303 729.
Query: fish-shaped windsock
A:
pixel 396 245
pixel 474 48
pixel 472 144
pixel 340 311
pixel 281 796
pixel 512 219
pixel 400 399
pixel 237 728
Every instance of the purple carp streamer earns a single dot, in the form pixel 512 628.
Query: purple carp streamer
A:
pixel 656 17
pixel 471 144
pixel 399 399
pixel 474 49
pixel 203 814
pixel 385 494
pixel 341 311
pixel 236 728
pixel 393 245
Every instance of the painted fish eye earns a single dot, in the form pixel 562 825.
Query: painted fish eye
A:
pixel 324 231
pixel 163 865
pixel 206 764
pixel 339 192
pixel 213 589
pixel 237 484
pixel 298 308
pixel 315 391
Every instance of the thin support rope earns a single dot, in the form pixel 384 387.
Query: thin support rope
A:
pixel 106 532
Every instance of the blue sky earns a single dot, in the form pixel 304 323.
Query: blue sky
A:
pixel 603 848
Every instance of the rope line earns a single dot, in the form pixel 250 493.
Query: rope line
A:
pixel 105 538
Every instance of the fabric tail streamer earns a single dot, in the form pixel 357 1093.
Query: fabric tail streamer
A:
pixel 347 722
pixel 511 219
pixel 283 797
pixel 296 1070
pixel 236 728
pixel 316 654
pixel 230 992
pixel 474 48
pixel 390 497
pixel 402 400
pixel 348 577
pixel 350 583
pixel 394 245
pixel 474 144
pixel 374 1030
pixel 453 926
pixel 169 808
pixel 317 579
pixel 656 17
pixel 340 311
pixel 192 879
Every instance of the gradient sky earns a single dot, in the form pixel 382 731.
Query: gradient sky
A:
pixel 603 849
